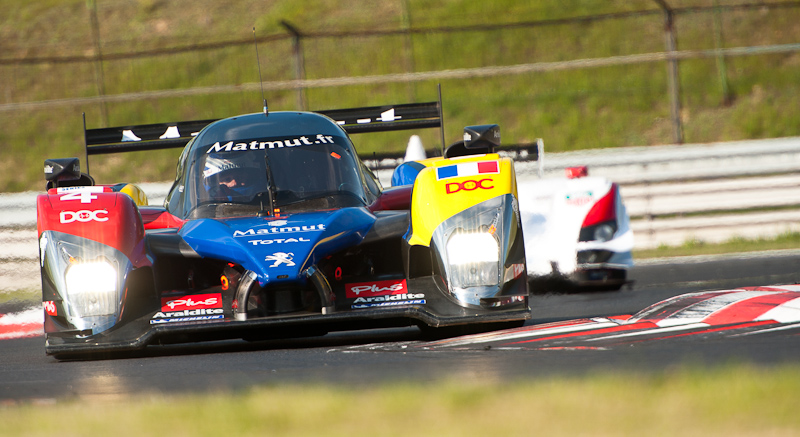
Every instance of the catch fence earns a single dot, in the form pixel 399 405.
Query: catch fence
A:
pixel 657 72
pixel 306 49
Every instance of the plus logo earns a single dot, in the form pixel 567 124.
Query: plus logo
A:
pixel 376 288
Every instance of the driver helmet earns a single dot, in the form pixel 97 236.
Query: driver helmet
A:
pixel 235 176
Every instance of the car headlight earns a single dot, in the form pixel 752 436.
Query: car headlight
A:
pixel 92 287
pixel 474 250
pixel 88 276
pixel 599 232
pixel 604 232
pixel 471 247
pixel 473 257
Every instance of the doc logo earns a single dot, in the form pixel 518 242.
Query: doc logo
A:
pixel 468 185
pixel 281 258
pixel 83 216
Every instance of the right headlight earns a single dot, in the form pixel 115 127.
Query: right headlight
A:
pixel 473 247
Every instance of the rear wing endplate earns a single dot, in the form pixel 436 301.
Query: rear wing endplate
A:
pixel 174 135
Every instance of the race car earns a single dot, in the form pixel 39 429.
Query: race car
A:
pixel 274 228
pixel 577 231
pixel 576 227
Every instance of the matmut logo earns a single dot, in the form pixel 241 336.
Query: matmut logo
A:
pixel 252 232
pixel 376 288
pixel 192 302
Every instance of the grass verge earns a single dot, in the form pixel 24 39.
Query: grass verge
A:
pixel 788 240
pixel 733 400
pixel 24 296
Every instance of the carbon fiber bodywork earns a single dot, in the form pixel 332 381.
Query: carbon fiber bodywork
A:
pixel 313 244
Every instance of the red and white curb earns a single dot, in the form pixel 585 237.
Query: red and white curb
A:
pixel 733 313
pixel 26 323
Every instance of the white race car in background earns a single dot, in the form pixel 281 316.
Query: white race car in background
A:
pixel 576 229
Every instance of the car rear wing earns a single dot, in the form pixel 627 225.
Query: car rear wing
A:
pixel 387 118
pixel 159 136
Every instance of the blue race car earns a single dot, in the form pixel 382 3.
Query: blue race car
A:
pixel 275 228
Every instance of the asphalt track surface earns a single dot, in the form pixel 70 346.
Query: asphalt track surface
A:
pixel 397 355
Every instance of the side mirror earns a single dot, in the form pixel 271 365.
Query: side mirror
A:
pixel 62 169
pixel 65 172
pixel 486 136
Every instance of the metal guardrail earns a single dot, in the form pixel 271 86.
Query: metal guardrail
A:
pixel 709 192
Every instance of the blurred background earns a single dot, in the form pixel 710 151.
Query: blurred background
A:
pixel 581 74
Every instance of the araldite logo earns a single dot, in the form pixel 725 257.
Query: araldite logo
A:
pixel 192 302
pixel 376 288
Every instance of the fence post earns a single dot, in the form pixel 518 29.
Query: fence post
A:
pixel 409 47
pixel 674 89
pixel 672 72
pixel 299 62
pixel 98 65
pixel 721 66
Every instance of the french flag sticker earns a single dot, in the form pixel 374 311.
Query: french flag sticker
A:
pixel 467 169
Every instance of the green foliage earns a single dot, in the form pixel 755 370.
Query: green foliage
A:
pixel 571 109
pixel 784 241
pixel 726 400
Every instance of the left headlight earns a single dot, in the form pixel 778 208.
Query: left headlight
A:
pixel 92 287
pixel 474 259
pixel 88 276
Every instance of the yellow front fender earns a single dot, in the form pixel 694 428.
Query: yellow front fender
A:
pixel 448 186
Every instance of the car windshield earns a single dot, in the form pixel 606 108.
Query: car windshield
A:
pixel 306 172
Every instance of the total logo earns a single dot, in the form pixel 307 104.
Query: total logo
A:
pixel 279 241
pixel 468 185
pixel 376 288
pixel 83 216
pixel 195 301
